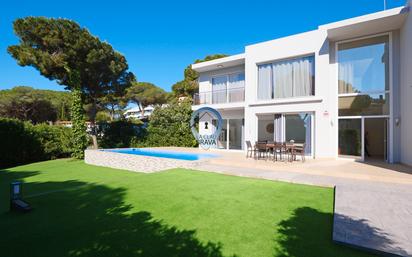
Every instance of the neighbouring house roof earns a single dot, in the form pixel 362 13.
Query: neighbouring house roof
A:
pixel 137 109
pixel 134 109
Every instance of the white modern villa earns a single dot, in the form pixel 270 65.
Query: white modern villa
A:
pixel 136 112
pixel 344 89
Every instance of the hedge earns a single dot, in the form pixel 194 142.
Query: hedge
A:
pixel 22 142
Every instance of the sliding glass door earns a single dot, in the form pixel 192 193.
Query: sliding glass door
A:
pixel 231 136
pixel 235 134
pixel 298 129
pixel 350 137
pixel 294 127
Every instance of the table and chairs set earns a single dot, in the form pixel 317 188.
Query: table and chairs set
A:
pixel 276 151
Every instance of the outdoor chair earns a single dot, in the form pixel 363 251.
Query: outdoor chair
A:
pixel 250 149
pixel 261 149
pixel 278 150
pixel 290 151
pixel 269 146
pixel 300 149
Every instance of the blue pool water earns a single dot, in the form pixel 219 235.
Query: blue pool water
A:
pixel 163 153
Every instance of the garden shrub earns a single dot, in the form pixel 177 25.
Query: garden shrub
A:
pixel 169 126
pixel 19 143
pixel 56 141
pixel 22 142
pixel 119 134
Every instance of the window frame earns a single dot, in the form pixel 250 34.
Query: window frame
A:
pixel 227 76
pixel 372 92
pixel 271 71
pixel 391 102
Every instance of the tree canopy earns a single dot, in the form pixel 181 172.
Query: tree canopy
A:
pixel 189 85
pixel 145 93
pixel 26 103
pixel 60 48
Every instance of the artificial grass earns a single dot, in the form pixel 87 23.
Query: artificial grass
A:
pixel 83 210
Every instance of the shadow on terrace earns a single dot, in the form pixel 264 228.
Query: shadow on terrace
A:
pixel 308 234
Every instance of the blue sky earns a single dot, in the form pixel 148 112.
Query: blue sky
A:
pixel 160 38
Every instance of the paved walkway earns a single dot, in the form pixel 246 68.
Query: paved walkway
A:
pixel 369 214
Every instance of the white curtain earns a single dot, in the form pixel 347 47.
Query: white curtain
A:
pixel 283 79
pixel 308 133
pixel 219 89
pixel 346 77
pixel 236 87
pixel 278 129
pixel 265 82
pixel 302 77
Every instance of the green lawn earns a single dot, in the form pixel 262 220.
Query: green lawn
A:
pixel 82 210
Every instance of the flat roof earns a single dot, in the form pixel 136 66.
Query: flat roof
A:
pixel 368 24
pixel 225 62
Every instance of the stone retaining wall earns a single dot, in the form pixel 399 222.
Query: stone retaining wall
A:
pixel 139 163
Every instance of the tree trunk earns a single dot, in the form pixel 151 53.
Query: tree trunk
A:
pixel 141 109
pixel 112 113
pixel 93 124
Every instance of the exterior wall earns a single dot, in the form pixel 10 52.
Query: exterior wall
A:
pixel 324 104
pixel 321 105
pixel 395 130
pixel 406 91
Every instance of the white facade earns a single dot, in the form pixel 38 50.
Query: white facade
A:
pixel 320 111
pixel 137 113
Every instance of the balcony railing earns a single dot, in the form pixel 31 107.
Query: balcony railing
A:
pixel 230 95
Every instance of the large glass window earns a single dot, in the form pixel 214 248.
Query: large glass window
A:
pixel 222 139
pixel 364 66
pixel 236 88
pixel 219 89
pixel 228 88
pixel 235 133
pixel 364 77
pixel 298 129
pixel 350 137
pixel 289 78
pixel 286 128
pixel 357 105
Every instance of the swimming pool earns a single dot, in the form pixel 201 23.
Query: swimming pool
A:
pixel 163 153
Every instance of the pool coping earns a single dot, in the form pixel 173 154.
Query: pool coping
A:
pixel 136 163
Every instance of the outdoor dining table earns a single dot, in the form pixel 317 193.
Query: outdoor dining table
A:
pixel 288 147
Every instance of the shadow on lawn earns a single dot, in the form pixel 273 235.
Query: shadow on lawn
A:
pixel 81 219
pixel 308 233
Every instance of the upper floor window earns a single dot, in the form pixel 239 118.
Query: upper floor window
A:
pixel 289 78
pixel 228 88
pixel 364 65
pixel 363 77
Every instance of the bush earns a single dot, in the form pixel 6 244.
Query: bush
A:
pixel 19 144
pixel 55 140
pixel 169 126
pixel 22 142
pixel 119 134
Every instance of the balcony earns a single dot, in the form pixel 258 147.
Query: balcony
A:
pixel 232 95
